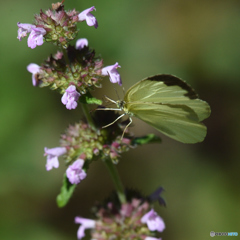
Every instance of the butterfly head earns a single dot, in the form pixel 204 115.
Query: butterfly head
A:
pixel 120 104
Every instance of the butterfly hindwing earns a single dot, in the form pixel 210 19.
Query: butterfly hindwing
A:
pixel 176 121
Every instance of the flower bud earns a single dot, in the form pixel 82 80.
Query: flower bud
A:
pixel 34 69
pixel 81 43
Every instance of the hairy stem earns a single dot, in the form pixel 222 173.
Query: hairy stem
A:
pixel 116 180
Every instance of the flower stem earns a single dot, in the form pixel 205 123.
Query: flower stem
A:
pixel 116 179
pixel 68 65
pixel 88 115
pixel 65 56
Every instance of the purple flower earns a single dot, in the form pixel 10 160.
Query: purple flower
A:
pixel 36 37
pixel 86 15
pixel 153 221
pixel 52 156
pixel 81 43
pixel 75 173
pixel 34 69
pixel 36 34
pixel 86 224
pixel 113 73
pixel 23 29
pixel 70 97
pixel 152 238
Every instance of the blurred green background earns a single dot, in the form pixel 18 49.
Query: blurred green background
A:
pixel 197 41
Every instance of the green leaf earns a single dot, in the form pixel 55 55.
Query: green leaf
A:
pixel 88 99
pixel 66 192
pixel 150 138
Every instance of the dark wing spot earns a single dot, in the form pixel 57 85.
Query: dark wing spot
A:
pixel 171 80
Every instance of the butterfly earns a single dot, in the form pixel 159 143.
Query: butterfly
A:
pixel 168 104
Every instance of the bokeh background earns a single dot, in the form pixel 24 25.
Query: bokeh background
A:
pixel 197 41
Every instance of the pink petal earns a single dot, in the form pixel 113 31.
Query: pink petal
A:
pixel 33 68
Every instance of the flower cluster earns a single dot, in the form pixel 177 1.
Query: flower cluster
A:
pixel 55 25
pixel 135 219
pixel 81 144
pixel 81 141
pixel 84 73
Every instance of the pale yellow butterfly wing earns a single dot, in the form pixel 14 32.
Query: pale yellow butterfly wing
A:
pixel 167 89
pixel 170 105
pixel 176 121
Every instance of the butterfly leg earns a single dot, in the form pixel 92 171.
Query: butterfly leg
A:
pixel 113 109
pixel 126 127
pixel 114 121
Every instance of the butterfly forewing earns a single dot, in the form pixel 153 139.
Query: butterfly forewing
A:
pixel 167 86
pixel 167 89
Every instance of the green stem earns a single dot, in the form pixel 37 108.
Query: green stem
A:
pixel 88 115
pixel 116 179
pixel 66 56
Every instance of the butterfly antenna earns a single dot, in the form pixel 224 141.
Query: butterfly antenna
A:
pixel 114 87
pixel 116 93
pixel 123 91
pixel 126 127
